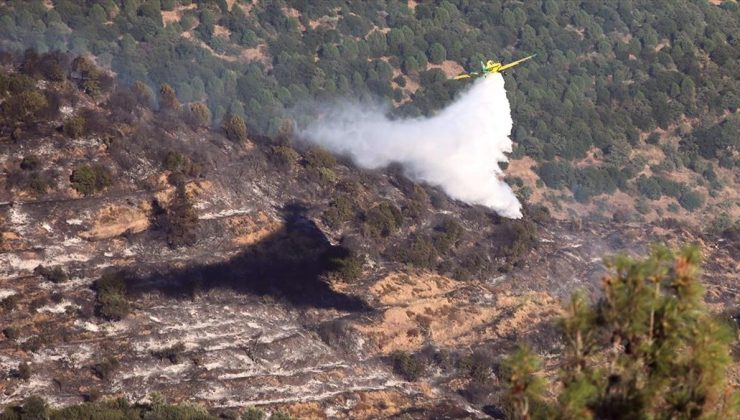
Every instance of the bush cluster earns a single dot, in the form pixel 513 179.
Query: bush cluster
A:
pixel 88 179
pixel 172 353
pixel 382 220
pixel 54 274
pixel 409 366
pixel 112 303
pixel 340 210
pixel 178 220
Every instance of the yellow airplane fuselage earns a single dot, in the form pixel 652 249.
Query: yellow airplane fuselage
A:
pixel 491 66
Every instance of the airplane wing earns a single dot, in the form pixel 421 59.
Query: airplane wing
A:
pixel 466 76
pixel 514 63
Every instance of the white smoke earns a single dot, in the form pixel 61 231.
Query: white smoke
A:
pixel 457 149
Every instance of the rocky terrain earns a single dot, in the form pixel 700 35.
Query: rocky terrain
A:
pixel 252 313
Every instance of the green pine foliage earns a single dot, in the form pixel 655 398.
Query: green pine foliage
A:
pixel 179 220
pixel 88 179
pixel 112 303
pixel 524 385
pixel 235 128
pixel 648 349
pixel 382 220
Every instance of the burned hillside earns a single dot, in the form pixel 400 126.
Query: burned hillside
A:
pixel 145 251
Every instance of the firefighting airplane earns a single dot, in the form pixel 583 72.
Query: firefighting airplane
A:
pixel 490 67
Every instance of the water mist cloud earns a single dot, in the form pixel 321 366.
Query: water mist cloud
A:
pixel 457 149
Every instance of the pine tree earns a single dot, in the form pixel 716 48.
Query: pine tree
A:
pixel 142 93
pixel 199 115
pixel 648 349
pixel 168 98
pixel 181 219
pixel 235 128
pixel 524 385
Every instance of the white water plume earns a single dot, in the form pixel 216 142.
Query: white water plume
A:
pixel 458 149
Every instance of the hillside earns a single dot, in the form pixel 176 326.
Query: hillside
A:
pixel 165 236
pixel 233 272
pixel 628 109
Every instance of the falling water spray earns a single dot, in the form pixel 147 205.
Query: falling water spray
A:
pixel 457 149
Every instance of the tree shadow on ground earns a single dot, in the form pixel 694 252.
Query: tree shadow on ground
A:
pixel 290 265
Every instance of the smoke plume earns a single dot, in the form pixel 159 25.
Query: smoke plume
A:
pixel 457 149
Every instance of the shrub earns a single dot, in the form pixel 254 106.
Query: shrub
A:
pixel 38 184
pixel 538 213
pixel 24 371
pixel 414 209
pixel 24 106
pixel 325 175
pixel 519 237
pixel 691 200
pixel 175 161
pixel 437 53
pixel 416 206
pixel 320 158
pixel 11 333
pixel 74 126
pixel 447 235
pixel 179 220
pixel 180 164
pixel 340 210
pixel 105 369
pixel 382 220
pixel 285 157
pixel 721 223
pixel 9 303
pixel 653 138
pixel 642 206
pixel 143 94
pixel 112 303
pixel 86 74
pixel 119 408
pixel 30 163
pixel 477 366
pixel 33 344
pixel 88 179
pixel 649 187
pixel 253 413
pixel 410 367
pixel 168 98
pixel 199 115
pixel 337 333
pixel 344 264
pixel 590 181
pixel 235 128
pixel 54 274
pixel 670 188
pixel 420 253
pixel 34 408
pixel 172 353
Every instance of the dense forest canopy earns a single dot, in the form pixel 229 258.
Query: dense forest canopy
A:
pixel 608 77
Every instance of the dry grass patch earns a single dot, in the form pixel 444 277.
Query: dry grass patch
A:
pixel 115 220
pixel 252 229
